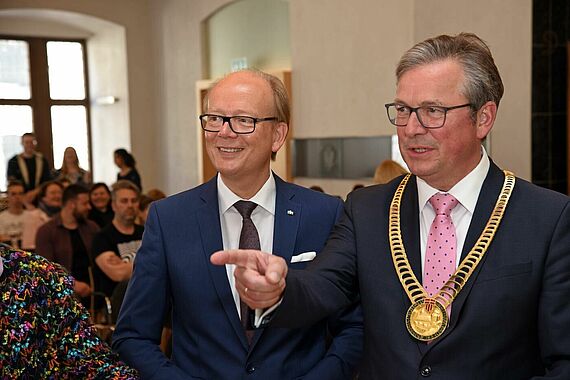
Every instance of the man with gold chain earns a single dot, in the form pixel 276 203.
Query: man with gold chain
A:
pixel 463 270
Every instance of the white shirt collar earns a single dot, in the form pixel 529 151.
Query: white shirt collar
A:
pixel 463 190
pixel 264 198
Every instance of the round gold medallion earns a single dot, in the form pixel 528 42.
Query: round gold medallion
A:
pixel 426 320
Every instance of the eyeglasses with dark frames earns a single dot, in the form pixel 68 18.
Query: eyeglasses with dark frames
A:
pixel 430 117
pixel 240 125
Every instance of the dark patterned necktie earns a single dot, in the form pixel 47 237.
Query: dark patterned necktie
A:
pixel 248 239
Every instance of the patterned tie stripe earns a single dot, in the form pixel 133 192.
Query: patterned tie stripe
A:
pixel 248 239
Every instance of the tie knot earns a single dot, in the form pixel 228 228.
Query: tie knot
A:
pixel 443 203
pixel 245 208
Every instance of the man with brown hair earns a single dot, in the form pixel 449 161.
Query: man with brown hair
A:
pixel 66 239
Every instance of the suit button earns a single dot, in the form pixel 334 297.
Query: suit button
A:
pixel 250 368
pixel 425 371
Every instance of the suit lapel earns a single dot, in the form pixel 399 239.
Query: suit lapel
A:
pixel 410 227
pixel 287 217
pixel 286 223
pixel 211 235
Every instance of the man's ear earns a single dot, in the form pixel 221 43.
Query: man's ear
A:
pixel 279 136
pixel 486 119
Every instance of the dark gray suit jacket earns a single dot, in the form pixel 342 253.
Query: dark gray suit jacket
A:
pixel 511 320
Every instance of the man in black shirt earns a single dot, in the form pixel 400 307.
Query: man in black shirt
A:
pixel 115 246
pixel 29 167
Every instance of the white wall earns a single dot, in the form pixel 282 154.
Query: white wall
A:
pixel 32 23
pixel 343 56
pixel 110 123
pixel 255 29
pixel 343 59
pixel 506 26
pixel 177 29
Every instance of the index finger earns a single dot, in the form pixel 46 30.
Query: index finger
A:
pixel 239 257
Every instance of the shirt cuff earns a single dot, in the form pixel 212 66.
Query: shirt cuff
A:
pixel 264 316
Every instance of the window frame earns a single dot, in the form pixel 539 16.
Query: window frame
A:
pixel 40 100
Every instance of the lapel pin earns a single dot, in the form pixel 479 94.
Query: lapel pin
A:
pixel 290 212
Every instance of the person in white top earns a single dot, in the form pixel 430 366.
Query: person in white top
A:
pixel 49 204
pixel 12 219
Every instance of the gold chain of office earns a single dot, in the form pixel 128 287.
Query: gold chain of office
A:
pixel 426 318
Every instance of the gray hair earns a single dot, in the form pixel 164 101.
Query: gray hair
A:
pixel 482 79
pixel 123 184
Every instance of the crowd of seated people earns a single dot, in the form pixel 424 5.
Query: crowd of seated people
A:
pixel 55 216
pixel 63 216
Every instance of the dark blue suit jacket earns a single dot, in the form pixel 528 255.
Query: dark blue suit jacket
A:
pixel 510 321
pixel 173 262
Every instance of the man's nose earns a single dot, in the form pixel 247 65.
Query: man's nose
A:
pixel 414 127
pixel 226 130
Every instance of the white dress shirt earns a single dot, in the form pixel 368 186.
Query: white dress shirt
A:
pixel 263 217
pixel 466 192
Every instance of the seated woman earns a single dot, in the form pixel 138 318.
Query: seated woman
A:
pixel 100 198
pixel 44 330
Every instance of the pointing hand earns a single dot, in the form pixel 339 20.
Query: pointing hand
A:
pixel 260 277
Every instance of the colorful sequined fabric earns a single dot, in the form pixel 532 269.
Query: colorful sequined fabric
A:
pixel 44 330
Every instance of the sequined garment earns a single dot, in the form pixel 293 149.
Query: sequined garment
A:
pixel 44 330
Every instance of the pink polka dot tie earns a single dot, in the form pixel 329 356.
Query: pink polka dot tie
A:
pixel 441 247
